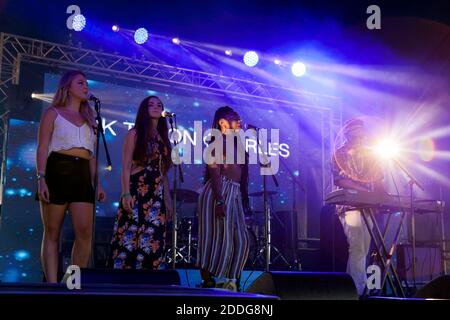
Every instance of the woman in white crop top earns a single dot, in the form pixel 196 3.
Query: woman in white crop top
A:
pixel 65 171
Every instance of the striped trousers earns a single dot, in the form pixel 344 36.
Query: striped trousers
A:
pixel 223 243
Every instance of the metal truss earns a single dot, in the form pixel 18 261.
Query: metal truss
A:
pixel 15 50
pixel 18 49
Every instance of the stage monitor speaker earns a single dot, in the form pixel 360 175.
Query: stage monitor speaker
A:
pixel 438 288
pixel 305 286
pixel 428 262
pixel 118 276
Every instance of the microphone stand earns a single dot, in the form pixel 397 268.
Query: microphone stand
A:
pixel 412 181
pixel 267 216
pixel 177 170
pixel 100 130
pixel 294 236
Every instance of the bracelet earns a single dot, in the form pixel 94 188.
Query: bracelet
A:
pixel 125 195
pixel 40 175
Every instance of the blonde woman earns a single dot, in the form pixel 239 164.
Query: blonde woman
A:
pixel 66 167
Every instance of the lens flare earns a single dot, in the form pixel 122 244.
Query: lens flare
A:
pixel 387 149
pixel 426 149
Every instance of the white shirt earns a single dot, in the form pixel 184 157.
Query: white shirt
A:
pixel 66 135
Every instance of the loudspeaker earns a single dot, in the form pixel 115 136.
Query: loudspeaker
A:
pixel 333 242
pixel 438 288
pixel 305 286
pixel 118 276
pixel 428 262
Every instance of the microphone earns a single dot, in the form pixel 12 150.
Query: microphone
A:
pixel 92 97
pixel 166 114
pixel 246 126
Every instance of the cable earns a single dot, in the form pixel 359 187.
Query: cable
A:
pixel 187 277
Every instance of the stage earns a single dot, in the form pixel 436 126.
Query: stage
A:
pixel 338 116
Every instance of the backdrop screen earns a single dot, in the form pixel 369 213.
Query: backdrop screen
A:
pixel 300 149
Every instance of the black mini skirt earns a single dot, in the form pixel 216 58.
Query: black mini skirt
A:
pixel 68 179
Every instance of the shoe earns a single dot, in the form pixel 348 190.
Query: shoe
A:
pixel 229 285
pixel 209 283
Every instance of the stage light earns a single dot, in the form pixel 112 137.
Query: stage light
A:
pixel 277 62
pixel 176 40
pixel 141 35
pixel 298 69
pixel 387 149
pixel 228 53
pixel 46 97
pixel 251 58
pixel 79 22
pixel 115 28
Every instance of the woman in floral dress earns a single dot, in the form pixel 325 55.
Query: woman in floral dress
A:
pixel 146 205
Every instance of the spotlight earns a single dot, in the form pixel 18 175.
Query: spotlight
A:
pixel 277 62
pixel 33 95
pixel 251 58
pixel 176 40
pixel 115 28
pixel 228 53
pixel 298 69
pixel 141 35
pixel 79 22
pixel 387 149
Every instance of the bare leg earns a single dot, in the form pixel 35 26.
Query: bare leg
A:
pixel 81 213
pixel 52 216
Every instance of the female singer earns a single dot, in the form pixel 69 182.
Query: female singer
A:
pixel 140 228
pixel 223 240
pixel 65 171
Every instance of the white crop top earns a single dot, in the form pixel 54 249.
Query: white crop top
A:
pixel 66 135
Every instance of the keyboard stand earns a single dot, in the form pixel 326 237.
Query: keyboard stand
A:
pixel 384 255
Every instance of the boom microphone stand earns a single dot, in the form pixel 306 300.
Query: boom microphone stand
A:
pixel 177 170
pixel 267 215
pixel 412 181
pixel 99 130
pixel 294 237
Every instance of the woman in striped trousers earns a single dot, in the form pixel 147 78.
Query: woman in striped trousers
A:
pixel 223 240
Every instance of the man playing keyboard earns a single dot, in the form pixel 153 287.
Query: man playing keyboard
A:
pixel 354 168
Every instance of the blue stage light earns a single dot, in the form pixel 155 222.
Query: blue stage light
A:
pixel 298 69
pixel 115 28
pixel 141 35
pixel 251 58
pixel 79 22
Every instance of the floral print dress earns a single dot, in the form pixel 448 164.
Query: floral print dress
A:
pixel 139 236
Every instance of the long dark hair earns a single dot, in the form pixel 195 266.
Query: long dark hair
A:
pixel 221 113
pixel 143 126
pixel 224 113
